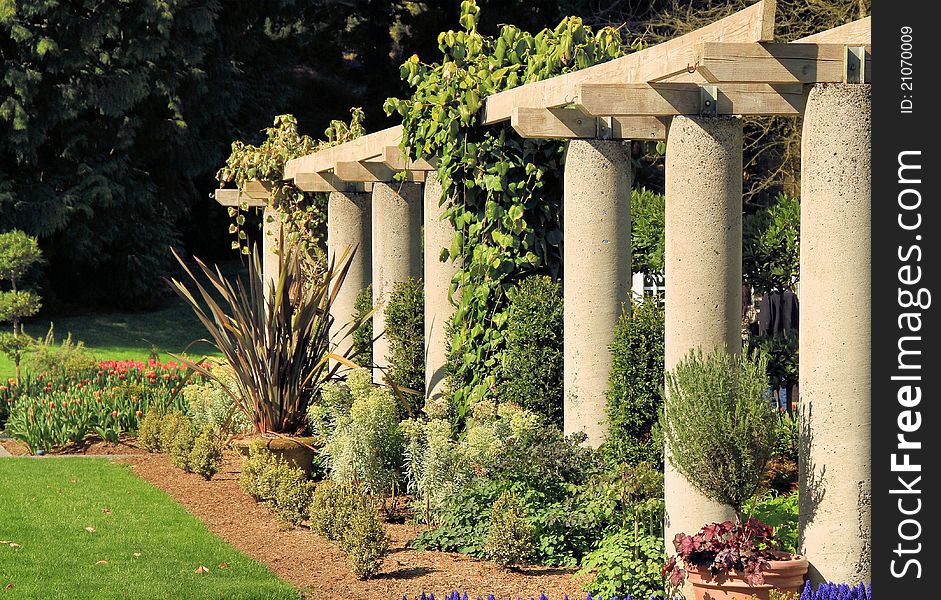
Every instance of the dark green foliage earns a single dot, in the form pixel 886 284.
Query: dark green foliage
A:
pixel 782 355
pixel 531 367
pixel 635 385
pixel 771 246
pixel 647 231
pixel 362 337
pixel 405 329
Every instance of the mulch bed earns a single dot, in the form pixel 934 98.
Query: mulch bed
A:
pixel 91 445
pixel 318 567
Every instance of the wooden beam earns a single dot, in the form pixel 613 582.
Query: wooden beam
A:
pixel 396 159
pixel 258 190
pixel 753 24
pixel 666 99
pixel 567 123
pixel 361 148
pixel 363 171
pixel 325 182
pixel 857 33
pixel 232 197
pixel 721 62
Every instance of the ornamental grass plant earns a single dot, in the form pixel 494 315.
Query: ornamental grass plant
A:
pixel 278 346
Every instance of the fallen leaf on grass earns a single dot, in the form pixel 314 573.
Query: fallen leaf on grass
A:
pixel 101 562
pixel 201 569
pixel 5 542
pixel 90 529
pixel 14 545
pixel 9 586
pixel 137 555
pixel 224 565
pixel 106 510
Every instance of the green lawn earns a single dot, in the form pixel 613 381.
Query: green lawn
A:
pixel 152 545
pixel 129 335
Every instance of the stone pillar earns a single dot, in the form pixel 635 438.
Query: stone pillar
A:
pixel 835 333
pixel 703 273
pixel 438 307
pixel 349 226
pixel 396 253
pixel 596 276
pixel 271 241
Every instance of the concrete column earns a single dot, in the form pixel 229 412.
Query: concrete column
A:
pixel 271 241
pixel 835 333
pixel 596 276
pixel 349 225
pixel 396 253
pixel 703 273
pixel 438 308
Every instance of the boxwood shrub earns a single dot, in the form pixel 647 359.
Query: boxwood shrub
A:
pixel 635 385
pixel 530 374
pixel 405 329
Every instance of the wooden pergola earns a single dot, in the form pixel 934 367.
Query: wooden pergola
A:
pixel 688 91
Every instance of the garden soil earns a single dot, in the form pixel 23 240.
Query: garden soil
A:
pixel 318 567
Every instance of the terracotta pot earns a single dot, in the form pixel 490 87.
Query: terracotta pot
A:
pixel 297 451
pixel 786 575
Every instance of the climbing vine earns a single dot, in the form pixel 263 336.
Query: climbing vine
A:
pixel 506 190
pixel 304 214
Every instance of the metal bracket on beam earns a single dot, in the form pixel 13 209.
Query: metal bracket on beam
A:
pixel 604 129
pixel 708 100
pixel 854 64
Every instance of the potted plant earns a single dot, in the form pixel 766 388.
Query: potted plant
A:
pixel 719 429
pixel 278 348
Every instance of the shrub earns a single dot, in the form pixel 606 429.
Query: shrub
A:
pixel 172 421
pixel 647 231
pixel 456 483
pixel 253 469
pixel 210 405
pixel 335 400
pixel 782 468
pixel 292 494
pixel 635 384
pixel 625 563
pixel 362 337
pixel 68 360
pixel 343 514
pixel 771 246
pixel 330 508
pixel 366 445
pixel 364 540
pixel 530 373
pixel 405 330
pixel 182 445
pixel 718 425
pixel 148 434
pixel 511 538
pixel 206 456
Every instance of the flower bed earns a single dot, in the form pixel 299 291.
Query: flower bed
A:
pixel 45 412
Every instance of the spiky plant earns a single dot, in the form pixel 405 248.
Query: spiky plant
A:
pixel 279 347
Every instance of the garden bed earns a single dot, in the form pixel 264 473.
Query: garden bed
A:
pixel 91 446
pixel 318 567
